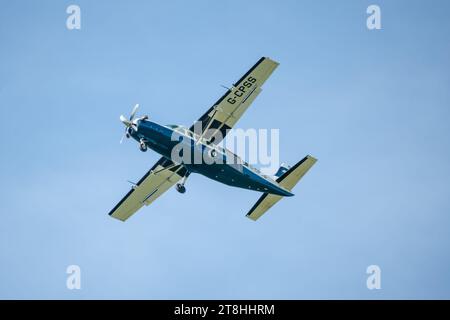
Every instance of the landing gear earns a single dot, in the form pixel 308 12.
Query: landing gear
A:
pixel 142 146
pixel 180 186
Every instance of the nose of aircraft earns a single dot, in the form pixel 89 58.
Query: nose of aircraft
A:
pixel 128 122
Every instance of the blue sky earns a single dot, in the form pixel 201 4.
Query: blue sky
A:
pixel 372 106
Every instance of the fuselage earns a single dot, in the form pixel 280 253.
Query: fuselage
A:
pixel 184 147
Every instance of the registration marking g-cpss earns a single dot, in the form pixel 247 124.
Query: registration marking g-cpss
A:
pixel 239 92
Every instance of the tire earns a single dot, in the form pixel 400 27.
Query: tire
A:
pixel 180 188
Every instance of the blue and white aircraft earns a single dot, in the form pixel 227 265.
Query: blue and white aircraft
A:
pixel 213 127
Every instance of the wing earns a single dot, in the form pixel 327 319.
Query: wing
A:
pixel 224 114
pixel 154 183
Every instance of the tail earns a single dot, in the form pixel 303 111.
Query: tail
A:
pixel 287 178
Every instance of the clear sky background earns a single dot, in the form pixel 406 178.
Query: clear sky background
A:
pixel 372 106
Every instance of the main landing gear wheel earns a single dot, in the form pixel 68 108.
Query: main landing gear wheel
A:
pixel 180 188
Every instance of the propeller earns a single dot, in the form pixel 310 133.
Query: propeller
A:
pixel 133 113
pixel 128 122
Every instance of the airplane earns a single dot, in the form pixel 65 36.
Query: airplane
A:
pixel 203 138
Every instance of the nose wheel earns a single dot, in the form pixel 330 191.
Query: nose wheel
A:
pixel 142 146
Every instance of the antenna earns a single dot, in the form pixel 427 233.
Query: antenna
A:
pixel 132 183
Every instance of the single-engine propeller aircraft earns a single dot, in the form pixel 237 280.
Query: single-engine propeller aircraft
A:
pixel 214 125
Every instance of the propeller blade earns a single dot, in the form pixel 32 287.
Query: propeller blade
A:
pixel 133 113
pixel 125 121
pixel 128 122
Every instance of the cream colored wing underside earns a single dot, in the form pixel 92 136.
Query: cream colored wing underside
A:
pixel 157 181
pixel 224 114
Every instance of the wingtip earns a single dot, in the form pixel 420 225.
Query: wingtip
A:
pixel 312 158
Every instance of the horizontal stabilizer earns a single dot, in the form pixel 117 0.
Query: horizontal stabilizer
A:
pixel 287 180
